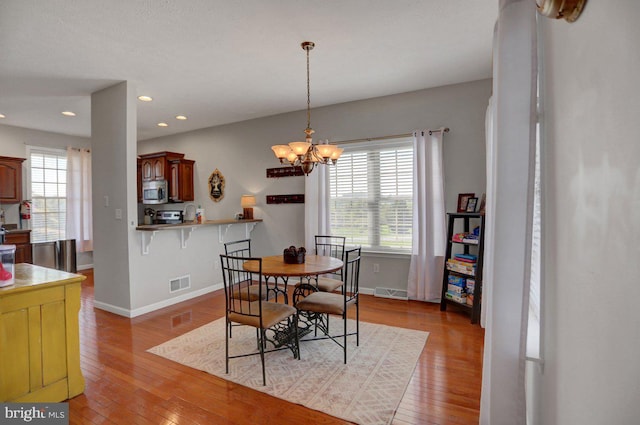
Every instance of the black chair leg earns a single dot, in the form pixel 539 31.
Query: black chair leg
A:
pixel 226 344
pixel 344 318
pixel 264 376
pixel 295 323
pixel 357 323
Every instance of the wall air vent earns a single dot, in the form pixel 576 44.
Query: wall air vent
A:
pixel 398 294
pixel 180 283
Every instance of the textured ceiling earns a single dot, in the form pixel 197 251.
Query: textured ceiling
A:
pixel 221 61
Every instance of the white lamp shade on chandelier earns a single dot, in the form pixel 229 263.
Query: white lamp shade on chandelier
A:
pixel 307 154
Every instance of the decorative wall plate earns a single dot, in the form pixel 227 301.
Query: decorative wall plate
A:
pixel 216 186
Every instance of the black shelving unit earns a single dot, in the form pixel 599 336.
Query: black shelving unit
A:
pixel 468 248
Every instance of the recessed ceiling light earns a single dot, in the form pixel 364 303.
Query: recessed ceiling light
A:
pixel 3 116
pixel 181 117
pixel 68 114
pixel 145 98
pixel 163 124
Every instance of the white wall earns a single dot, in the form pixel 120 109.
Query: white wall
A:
pixel 592 217
pixel 113 167
pixel 14 141
pixel 241 151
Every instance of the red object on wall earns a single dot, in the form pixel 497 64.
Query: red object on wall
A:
pixel 25 210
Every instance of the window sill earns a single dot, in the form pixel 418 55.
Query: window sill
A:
pixel 386 254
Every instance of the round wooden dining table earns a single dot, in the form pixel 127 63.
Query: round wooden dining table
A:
pixel 274 269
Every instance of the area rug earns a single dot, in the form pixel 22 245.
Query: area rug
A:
pixel 367 390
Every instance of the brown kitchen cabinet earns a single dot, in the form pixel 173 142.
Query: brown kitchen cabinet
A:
pixel 10 180
pixel 170 166
pixel 156 166
pixel 22 240
pixel 139 178
pixel 181 181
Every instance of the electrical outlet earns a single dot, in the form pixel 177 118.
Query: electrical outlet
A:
pixel 376 267
pixel 118 214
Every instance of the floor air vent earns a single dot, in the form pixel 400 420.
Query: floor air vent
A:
pixel 398 294
pixel 180 283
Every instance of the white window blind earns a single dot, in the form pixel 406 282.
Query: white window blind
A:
pixel 48 194
pixel 371 195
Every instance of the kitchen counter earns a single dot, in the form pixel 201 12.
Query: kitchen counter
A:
pixel 16 231
pixel 40 334
pixel 153 227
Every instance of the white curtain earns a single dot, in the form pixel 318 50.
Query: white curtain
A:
pixel 509 203
pixel 429 228
pixel 316 206
pixel 79 212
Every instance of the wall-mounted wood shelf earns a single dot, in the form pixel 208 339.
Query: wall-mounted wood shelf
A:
pixel 285 199
pixel 284 172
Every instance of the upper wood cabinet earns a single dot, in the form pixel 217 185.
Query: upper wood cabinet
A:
pixel 170 166
pixel 139 178
pixel 181 181
pixel 10 180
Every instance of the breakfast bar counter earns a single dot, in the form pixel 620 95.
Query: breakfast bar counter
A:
pixel 154 227
pixel 39 336
pixel 149 230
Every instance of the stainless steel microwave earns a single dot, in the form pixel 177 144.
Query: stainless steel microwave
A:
pixel 155 192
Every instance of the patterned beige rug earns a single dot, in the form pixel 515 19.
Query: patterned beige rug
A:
pixel 367 390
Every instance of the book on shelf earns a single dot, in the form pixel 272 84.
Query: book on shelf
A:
pixel 461 266
pixel 458 237
pixel 470 286
pixel 456 289
pixel 470 239
pixel 467 258
pixel 456 281
pixel 459 298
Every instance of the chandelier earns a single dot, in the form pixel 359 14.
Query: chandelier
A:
pixel 307 154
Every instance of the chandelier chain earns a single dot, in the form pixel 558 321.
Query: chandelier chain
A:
pixel 308 93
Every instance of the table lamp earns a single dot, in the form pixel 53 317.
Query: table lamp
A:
pixel 247 202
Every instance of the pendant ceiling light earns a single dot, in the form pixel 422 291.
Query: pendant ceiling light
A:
pixel 307 154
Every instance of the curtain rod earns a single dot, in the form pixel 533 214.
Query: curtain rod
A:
pixel 394 136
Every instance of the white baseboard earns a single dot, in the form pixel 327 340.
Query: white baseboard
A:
pixel 171 301
pixel 84 266
pixel 366 291
pixel 155 306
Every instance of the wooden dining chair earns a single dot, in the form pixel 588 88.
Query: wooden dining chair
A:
pixel 324 304
pixel 280 320
pixel 332 246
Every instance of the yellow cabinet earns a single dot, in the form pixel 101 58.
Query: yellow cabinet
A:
pixel 39 336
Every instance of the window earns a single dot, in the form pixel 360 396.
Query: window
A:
pixel 48 194
pixel 371 195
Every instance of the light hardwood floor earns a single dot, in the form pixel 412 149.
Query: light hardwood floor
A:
pixel 126 385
